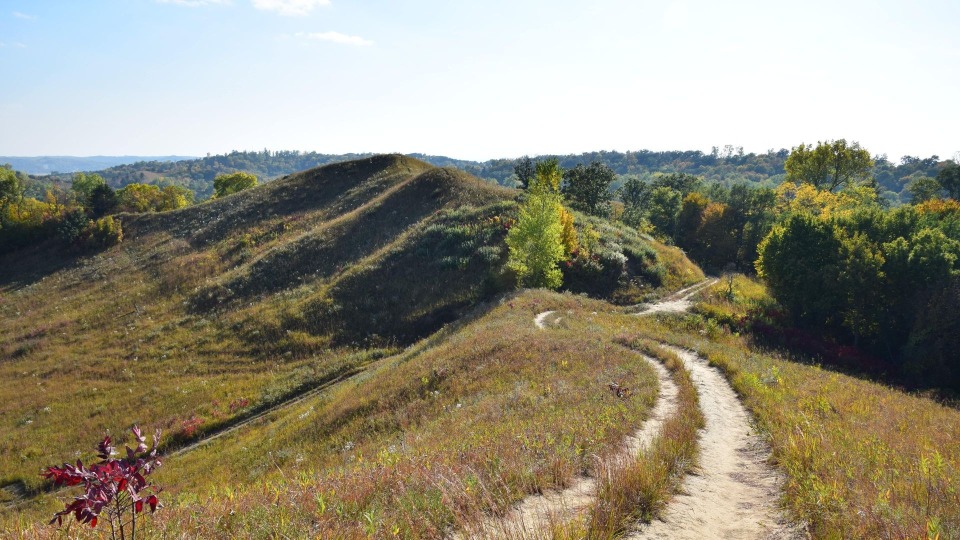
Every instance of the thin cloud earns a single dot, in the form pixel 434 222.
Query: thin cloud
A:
pixel 334 37
pixel 293 8
pixel 196 3
pixel 20 15
pixel 15 45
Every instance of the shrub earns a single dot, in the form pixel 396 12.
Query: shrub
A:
pixel 112 487
pixel 106 232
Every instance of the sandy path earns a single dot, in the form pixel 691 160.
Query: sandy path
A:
pixel 735 492
pixel 540 321
pixel 533 516
pixel 678 302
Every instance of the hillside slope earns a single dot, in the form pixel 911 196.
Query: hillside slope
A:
pixel 207 315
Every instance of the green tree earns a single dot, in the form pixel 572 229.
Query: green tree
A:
pixel 799 260
pixel 830 165
pixel 173 197
pixel 83 186
pixel 536 240
pixel 634 194
pixel 139 198
pixel 588 188
pixel 682 183
pixel 103 200
pixel 663 209
pixel 949 179
pixel 923 188
pixel 227 184
pixel 11 189
pixel 526 170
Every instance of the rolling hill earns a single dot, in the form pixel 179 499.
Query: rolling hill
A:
pixel 207 315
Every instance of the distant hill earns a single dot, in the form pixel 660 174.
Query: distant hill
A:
pixel 727 167
pixel 42 165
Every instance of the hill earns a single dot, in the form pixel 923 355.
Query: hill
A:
pixel 205 316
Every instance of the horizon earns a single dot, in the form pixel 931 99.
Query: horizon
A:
pixel 502 80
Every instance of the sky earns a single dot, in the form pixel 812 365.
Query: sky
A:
pixel 476 80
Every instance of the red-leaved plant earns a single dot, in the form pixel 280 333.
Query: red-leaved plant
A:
pixel 113 488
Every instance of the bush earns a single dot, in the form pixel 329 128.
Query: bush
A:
pixel 105 232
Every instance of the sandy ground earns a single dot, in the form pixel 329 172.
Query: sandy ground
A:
pixel 734 493
pixel 678 302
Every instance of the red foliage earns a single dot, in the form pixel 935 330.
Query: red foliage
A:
pixel 109 480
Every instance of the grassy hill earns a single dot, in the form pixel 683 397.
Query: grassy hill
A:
pixel 206 316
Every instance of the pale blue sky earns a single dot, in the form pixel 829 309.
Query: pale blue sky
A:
pixel 475 80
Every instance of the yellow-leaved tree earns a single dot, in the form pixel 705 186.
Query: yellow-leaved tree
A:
pixel 540 238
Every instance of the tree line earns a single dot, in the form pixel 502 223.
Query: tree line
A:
pixel 83 215
pixel 839 260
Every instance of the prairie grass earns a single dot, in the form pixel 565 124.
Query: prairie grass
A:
pixel 424 442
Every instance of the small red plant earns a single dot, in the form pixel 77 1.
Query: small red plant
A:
pixel 113 488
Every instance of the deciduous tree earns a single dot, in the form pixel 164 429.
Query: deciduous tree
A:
pixel 830 165
pixel 228 184
pixel 536 240
pixel 588 188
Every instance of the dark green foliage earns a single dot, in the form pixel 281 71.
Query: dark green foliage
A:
pixel 103 200
pixel 587 189
pixel 525 170
pixel 633 194
pixel 73 228
pixel 923 188
pixel 881 280
pixel 949 179
pixel 800 262
pixel 680 182
pixel 663 209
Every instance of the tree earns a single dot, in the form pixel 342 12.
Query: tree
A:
pixel 682 183
pixel 11 189
pixel 949 179
pixel 536 240
pixel 103 200
pixel 525 169
pixel 588 188
pixel 83 186
pixel 228 184
pixel 634 194
pixel 139 198
pixel 799 260
pixel 173 197
pixel 829 165
pixel 664 206
pixel 923 188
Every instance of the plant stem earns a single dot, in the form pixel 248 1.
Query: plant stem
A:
pixel 120 517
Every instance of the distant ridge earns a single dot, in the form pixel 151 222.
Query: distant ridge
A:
pixel 69 164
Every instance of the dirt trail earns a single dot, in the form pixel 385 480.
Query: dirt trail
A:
pixel 734 494
pixel 540 321
pixel 533 516
pixel 678 302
